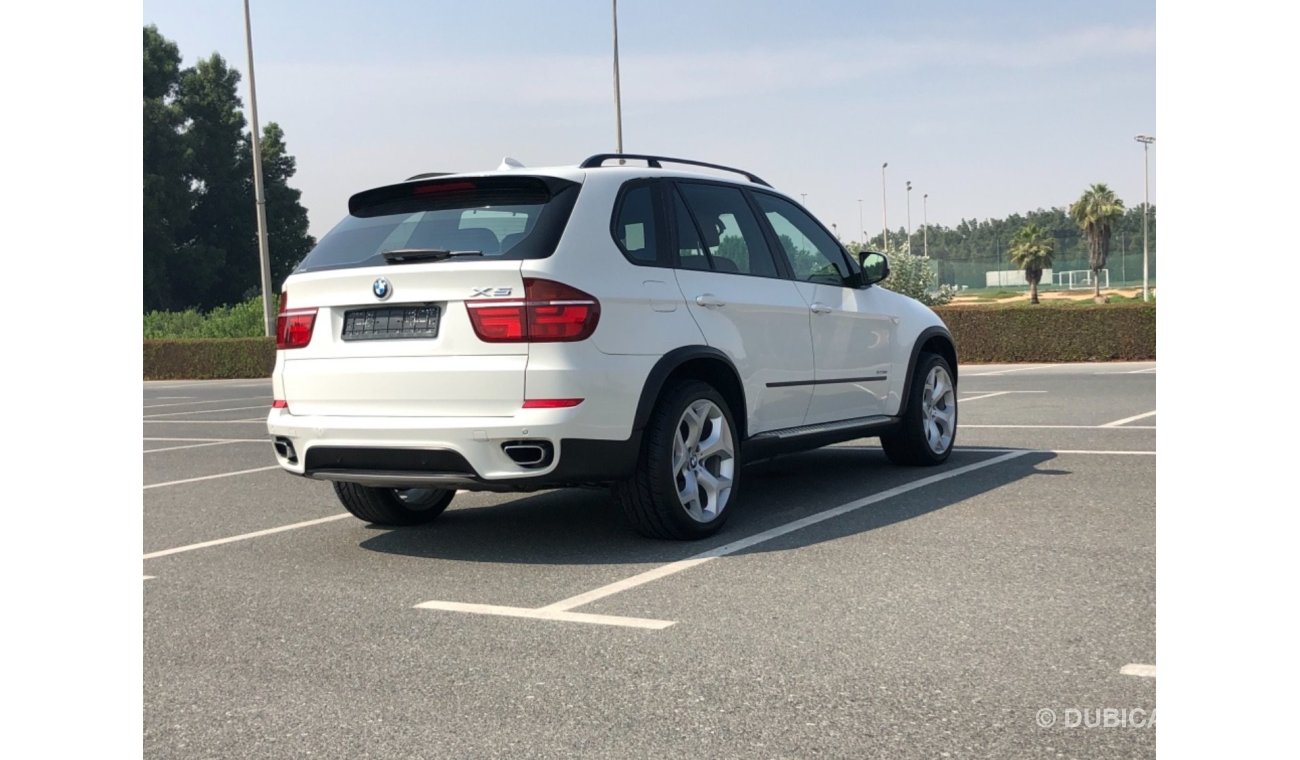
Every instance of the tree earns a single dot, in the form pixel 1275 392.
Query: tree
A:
pixel 286 219
pixel 1031 250
pixel 1096 212
pixel 166 193
pixel 200 218
pixel 221 232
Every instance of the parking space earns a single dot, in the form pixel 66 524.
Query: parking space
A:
pixel 850 608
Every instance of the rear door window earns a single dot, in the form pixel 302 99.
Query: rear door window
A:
pixel 500 217
pixel 731 233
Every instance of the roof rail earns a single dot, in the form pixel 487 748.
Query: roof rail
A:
pixel 598 160
pixel 427 175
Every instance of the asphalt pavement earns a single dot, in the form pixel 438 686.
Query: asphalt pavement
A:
pixel 996 606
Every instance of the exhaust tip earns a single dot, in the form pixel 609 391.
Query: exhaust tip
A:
pixel 529 454
pixel 284 448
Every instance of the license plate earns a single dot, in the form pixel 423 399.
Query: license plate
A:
pixel 391 322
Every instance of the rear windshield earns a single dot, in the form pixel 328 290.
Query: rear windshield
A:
pixel 501 217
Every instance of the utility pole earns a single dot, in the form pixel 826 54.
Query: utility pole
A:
pixel 925 224
pixel 259 193
pixel 618 97
pixel 909 217
pixel 862 228
pixel 1146 141
pixel 884 208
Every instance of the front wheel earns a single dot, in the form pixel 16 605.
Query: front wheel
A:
pixel 688 471
pixel 393 506
pixel 928 427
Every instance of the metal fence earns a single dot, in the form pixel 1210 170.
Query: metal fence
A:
pixel 1125 271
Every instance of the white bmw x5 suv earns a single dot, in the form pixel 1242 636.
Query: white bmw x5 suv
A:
pixel 598 325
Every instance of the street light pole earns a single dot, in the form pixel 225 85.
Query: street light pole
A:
pixel 618 97
pixel 862 228
pixel 925 224
pixel 909 217
pixel 259 193
pixel 1146 141
pixel 884 207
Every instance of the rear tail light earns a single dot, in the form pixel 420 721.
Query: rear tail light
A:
pixel 293 326
pixel 550 312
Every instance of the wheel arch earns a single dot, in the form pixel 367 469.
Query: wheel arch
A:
pixel 932 340
pixel 694 362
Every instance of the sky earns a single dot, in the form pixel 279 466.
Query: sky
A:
pixel 991 108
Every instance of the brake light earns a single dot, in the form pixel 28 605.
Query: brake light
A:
pixel 442 187
pixel 550 312
pixel 293 326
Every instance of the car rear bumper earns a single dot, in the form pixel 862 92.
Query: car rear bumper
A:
pixel 460 452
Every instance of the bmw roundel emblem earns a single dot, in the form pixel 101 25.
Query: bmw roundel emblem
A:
pixel 382 289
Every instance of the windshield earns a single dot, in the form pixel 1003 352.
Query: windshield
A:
pixel 501 217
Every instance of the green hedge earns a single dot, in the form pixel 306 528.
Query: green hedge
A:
pixel 1018 333
pixel 1027 333
pixel 207 359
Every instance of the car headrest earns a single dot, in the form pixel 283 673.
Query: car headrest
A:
pixel 724 264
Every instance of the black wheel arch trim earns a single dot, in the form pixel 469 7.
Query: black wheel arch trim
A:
pixel 667 364
pixel 921 340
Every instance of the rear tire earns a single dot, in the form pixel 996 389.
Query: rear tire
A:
pixel 928 428
pixel 394 506
pixel 688 470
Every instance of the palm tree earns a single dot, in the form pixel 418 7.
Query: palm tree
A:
pixel 1031 250
pixel 1096 211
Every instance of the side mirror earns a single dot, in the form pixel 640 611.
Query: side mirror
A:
pixel 875 267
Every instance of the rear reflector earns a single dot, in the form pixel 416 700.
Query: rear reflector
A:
pixel 551 312
pixel 279 404
pixel 551 403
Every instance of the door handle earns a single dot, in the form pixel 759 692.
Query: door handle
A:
pixel 710 301
pixel 818 307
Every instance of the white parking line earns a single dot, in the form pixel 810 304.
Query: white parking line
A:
pixel 562 610
pixel 228 440
pixel 190 446
pixel 986 395
pixel 244 536
pixel 208 411
pixel 212 401
pixel 988 450
pixel 204 422
pixel 1136 669
pixel 212 477
pixel 546 614
pixel 1134 418
pixel 995 373
pixel 1002 392
pixel 1061 427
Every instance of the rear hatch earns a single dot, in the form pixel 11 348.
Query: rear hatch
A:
pixel 390 284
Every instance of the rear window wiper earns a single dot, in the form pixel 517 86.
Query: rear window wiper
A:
pixel 408 255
